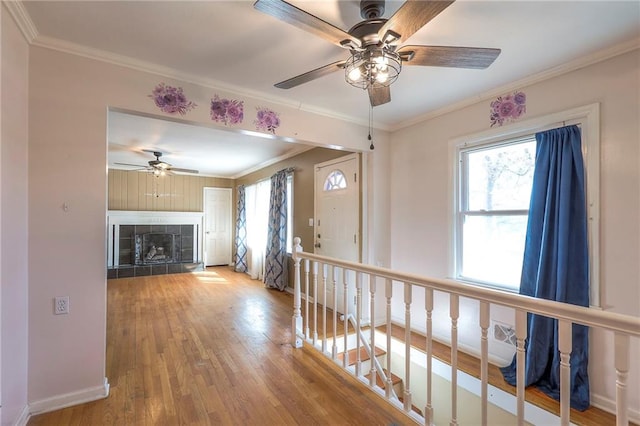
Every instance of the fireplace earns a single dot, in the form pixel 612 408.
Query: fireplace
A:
pixel 154 248
pixel 152 243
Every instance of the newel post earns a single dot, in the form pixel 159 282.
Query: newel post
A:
pixel 296 320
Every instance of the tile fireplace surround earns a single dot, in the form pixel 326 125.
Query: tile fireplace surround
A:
pixel 130 255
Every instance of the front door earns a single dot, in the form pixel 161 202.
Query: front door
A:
pixel 337 211
pixel 217 226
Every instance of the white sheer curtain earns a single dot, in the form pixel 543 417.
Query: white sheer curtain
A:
pixel 257 211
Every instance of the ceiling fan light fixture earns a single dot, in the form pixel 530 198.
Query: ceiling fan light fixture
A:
pixel 354 74
pixel 382 63
pixel 376 66
pixel 382 77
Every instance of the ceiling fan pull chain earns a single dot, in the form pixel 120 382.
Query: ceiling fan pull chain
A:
pixel 371 147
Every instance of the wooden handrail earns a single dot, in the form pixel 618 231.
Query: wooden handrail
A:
pixel 621 323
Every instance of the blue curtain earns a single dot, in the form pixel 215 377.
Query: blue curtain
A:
pixel 556 263
pixel 276 274
pixel 241 232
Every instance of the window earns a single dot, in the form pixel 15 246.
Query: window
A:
pixel 290 213
pixel 492 178
pixel 257 198
pixel 257 215
pixel 495 186
pixel 336 180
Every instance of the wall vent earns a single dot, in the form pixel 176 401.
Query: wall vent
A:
pixel 504 333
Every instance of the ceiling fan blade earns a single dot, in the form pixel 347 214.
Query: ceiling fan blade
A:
pixel 310 75
pixel 132 165
pixel 412 15
pixel 448 56
pixel 379 95
pixel 305 21
pixel 177 169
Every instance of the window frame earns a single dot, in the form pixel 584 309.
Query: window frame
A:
pixel 290 213
pixel 588 118
pixel 463 211
pixel 330 181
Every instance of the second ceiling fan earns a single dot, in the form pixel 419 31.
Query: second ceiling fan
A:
pixel 376 58
pixel 158 167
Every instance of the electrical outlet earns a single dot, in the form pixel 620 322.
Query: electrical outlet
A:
pixel 61 305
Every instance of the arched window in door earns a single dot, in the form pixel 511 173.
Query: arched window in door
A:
pixel 336 180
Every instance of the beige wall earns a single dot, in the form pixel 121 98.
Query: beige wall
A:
pixel 13 222
pixel 303 189
pixel 138 191
pixel 421 215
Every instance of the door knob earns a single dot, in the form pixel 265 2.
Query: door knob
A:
pixel 317 245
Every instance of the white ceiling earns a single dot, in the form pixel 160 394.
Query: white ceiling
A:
pixel 213 152
pixel 232 46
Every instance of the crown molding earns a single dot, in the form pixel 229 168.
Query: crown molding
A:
pixel 292 153
pixel 22 19
pixel 599 56
pixel 167 72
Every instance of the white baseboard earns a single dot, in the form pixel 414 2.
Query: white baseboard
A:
pixel 69 399
pixel 24 417
pixel 609 406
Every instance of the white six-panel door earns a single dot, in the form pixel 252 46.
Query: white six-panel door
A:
pixel 217 226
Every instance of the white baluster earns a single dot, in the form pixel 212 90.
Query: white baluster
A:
pixel 296 321
pixel 324 307
pixel 521 335
pixel 407 345
pixel 564 345
pixel 388 294
pixel 334 350
pixel 428 304
pixel 345 360
pixel 315 303
pixel 358 315
pixel 454 313
pixel 306 299
pixel 621 350
pixel 484 359
pixel 372 328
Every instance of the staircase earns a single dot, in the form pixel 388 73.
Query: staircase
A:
pixel 365 359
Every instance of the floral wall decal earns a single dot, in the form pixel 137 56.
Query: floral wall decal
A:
pixel 267 120
pixel 227 111
pixel 171 99
pixel 508 108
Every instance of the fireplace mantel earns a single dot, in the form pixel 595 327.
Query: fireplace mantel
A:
pixel 131 217
pixel 117 218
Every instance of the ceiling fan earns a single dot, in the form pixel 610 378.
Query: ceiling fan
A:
pixel 157 166
pixel 376 60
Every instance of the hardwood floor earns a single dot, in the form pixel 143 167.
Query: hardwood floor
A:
pixel 212 348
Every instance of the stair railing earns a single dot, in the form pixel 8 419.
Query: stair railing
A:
pixel 376 368
pixel 621 327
